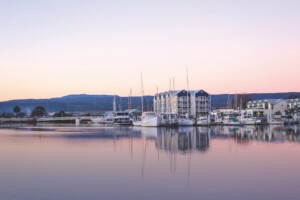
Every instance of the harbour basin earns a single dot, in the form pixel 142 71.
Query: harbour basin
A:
pixel 105 162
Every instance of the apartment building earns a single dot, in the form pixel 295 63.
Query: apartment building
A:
pixel 196 103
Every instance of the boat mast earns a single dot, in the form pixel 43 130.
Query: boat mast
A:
pixel 241 103
pixel 120 103
pixel 130 100
pixel 228 101
pixel 187 92
pixel 142 92
pixel 114 104
pixel 235 101
pixel 173 84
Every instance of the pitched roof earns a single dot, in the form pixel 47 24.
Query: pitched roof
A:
pixel 271 101
pixel 200 93
pixel 175 92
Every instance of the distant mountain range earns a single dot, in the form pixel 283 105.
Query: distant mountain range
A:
pixel 96 103
pixel 77 103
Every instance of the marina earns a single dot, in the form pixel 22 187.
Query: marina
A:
pixel 152 119
pixel 149 100
pixel 174 108
pixel 178 108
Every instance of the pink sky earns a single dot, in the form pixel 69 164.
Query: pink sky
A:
pixel 53 49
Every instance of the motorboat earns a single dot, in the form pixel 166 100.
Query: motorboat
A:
pixel 249 121
pixel 150 119
pixel 122 118
pixel 109 118
pixel 231 121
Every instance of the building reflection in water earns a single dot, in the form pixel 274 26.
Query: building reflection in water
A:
pixel 197 139
pixel 246 134
pixel 183 139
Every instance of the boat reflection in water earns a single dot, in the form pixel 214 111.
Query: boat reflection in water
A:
pixel 171 139
pixel 183 139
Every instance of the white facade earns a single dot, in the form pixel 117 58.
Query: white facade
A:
pixel 196 103
pixel 269 106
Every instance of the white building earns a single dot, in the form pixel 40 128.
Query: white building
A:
pixel 200 103
pixel 196 103
pixel 268 106
pixel 294 104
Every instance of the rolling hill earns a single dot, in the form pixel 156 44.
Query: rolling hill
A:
pixel 97 103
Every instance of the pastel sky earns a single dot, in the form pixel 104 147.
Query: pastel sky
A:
pixel 51 48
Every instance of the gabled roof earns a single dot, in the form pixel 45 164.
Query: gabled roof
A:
pixel 293 100
pixel 166 93
pixel 200 93
pixel 173 92
pixel 176 92
pixel 182 93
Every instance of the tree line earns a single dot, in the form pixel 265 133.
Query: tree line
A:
pixel 38 111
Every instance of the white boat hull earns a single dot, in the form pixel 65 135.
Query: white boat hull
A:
pixel 122 120
pixel 185 122
pixel 249 122
pixel 203 122
pixel 137 123
pixel 109 119
pixel 150 122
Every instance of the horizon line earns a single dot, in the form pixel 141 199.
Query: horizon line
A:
pixel 137 96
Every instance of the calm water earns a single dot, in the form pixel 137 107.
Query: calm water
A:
pixel 93 162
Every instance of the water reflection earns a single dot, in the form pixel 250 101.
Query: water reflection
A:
pixel 183 139
pixel 106 133
pixel 246 134
pixel 88 162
